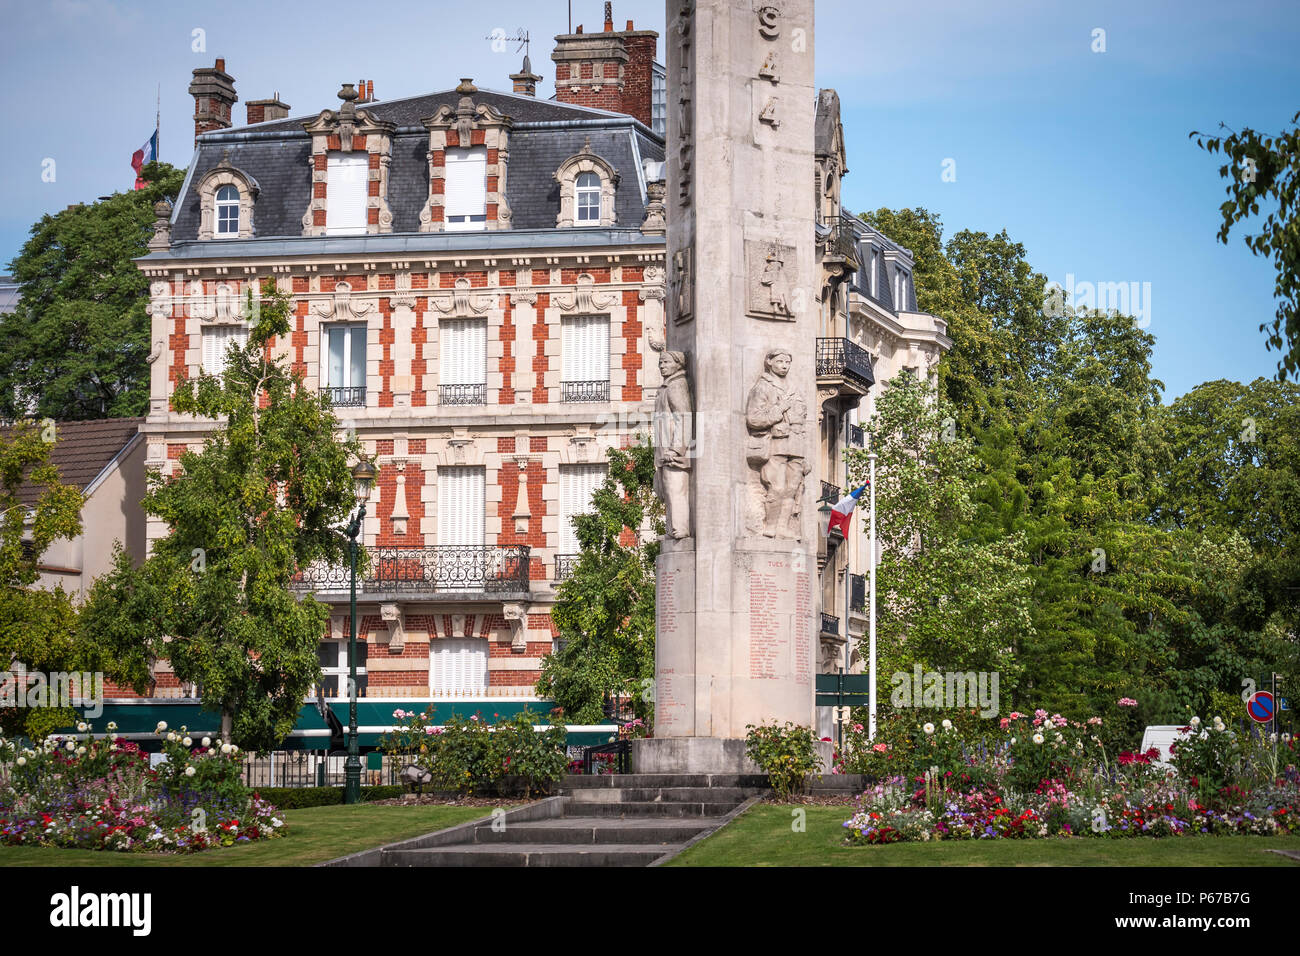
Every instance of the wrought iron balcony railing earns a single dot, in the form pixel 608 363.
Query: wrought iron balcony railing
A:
pixel 462 394
pixel 597 391
pixel 347 395
pixel 840 358
pixel 840 241
pixel 564 565
pixel 857 591
pixel 445 569
pixel 830 625
pixel 857 437
pixel 830 492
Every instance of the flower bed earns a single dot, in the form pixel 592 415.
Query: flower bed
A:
pixel 1046 776
pixel 99 793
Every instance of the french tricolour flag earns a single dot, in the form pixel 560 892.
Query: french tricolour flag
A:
pixel 842 511
pixel 144 155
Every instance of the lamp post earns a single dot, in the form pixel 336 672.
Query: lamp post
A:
pixel 363 477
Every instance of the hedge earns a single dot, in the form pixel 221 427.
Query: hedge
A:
pixel 298 798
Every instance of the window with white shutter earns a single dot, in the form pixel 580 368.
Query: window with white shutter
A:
pixel 458 666
pixel 465 189
pixel 462 349
pixel 344 361
pixel 216 340
pixel 461 506
pixel 584 347
pixel 347 183
pixel 577 484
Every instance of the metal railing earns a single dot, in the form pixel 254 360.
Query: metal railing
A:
pixel 564 565
pixel 617 754
pixel 448 568
pixel 462 394
pixel 857 591
pixel 840 358
pixel 347 394
pixel 841 240
pixel 857 437
pixel 312 768
pixel 830 624
pixel 830 492
pixel 597 391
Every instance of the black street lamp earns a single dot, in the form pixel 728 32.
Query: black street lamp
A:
pixel 363 477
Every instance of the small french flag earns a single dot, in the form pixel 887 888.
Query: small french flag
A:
pixel 143 156
pixel 842 511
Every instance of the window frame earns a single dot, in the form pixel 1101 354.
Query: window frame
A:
pixel 220 206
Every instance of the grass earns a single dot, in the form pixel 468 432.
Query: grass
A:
pixel 763 836
pixel 316 834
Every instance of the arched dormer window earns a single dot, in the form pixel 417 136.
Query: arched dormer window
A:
pixel 588 186
pixel 227 212
pixel 226 199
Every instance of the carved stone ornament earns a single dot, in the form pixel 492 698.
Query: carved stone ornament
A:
pixel 584 298
pixel 460 127
pixel 523 298
pixel 349 125
pixel 682 286
pixel 396 637
pixel 462 302
pixel 771 279
pixel 224 306
pixel 656 221
pixel 162 226
pixel 341 307
pixel 402 296
pixel 769 25
pixel 674 443
pixel 585 161
pixel 775 451
pixel 516 616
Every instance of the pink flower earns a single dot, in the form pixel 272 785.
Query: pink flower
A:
pixel 1059 720
pixel 1040 713
pixel 1016 715
pixel 1004 723
pixel 857 728
pixel 881 748
pixel 1127 702
pixel 1095 721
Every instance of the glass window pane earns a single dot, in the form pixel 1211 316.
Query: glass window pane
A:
pixel 334 371
pixel 357 359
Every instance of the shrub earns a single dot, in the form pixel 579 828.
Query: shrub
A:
pixel 787 754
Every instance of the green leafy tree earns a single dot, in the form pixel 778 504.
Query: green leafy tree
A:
pixel 263 499
pixel 37 626
pixel 1264 168
pixel 77 346
pixel 605 609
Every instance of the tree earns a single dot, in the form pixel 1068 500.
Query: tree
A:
pixel 605 609
pixel 37 627
pixel 77 346
pixel 1263 167
pixel 263 499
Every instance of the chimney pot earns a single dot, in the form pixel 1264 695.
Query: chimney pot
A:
pixel 579 27
pixel 629 27
pixel 221 64
pixel 370 91
pixel 609 16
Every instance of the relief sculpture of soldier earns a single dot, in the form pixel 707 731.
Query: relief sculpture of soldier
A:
pixel 777 419
pixel 672 443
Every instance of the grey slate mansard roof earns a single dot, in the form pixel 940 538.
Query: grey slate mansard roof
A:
pixel 277 155
pixel 866 236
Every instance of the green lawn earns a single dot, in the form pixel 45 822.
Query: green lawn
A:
pixel 316 834
pixel 763 837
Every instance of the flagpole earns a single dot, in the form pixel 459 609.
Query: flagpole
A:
pixel 871 612
pixel 157 124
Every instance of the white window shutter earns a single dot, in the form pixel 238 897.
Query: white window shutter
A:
pixel 465 188
pixel 585 347
pixel 459 665
pixel 347 184
pixel 463 351
pixel 461 506
pixel 577 485
pixel 216 339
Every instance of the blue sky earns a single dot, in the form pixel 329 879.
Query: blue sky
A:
pixel 1081 156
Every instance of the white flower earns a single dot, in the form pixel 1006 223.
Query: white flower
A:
pixel 187 742
pixel 947 725
pixel 218 742
pixel 162 725
pixel 80 751
pixel 1195 722
pixel 1013 740
pixel 112 746
pixel 81 725
pixel 207 741
pixel 111 725
pixel 928 728
pixel 72 745
pixel 21 761
pixel 225 748
pixel 1038 738
pixel 234 749
pixel 189 771
pixel 172 737
pixel 1286 738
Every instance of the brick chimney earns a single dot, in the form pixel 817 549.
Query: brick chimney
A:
pixel 365 91
pixel 262 111
pixel 525 80
pixel 214 95
pixel 610 70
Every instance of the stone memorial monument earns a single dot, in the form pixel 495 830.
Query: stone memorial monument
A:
pixel 737 603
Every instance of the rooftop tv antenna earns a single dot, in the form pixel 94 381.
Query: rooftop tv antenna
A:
pixel 500 38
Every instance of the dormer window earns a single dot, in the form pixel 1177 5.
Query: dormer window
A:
pixel 227 207
pixel 588 198
pixel 901 297
pixel 466 189
pixel 346 189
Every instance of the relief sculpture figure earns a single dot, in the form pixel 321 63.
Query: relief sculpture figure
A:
pixel 672 443
pixel 777 420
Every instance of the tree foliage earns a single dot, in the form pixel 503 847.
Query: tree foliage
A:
pixel 77 346
pixel 263 499
pixel 605 609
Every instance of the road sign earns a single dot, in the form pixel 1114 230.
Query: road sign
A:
pixel 1260 707
pixel 1283 704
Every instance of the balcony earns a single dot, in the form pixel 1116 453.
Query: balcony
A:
pixel 830 492
pixel 446 569
pixel 849 364
pixel 857 437
pixel 830 626
pixel 462 394
pixel 837 246
pixel 597 391
pixel 565 564
pixel 347 395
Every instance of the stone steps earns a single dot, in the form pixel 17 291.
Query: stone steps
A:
pixel 598 830
pixel 536 854
pixel 618 781
pixel 662 795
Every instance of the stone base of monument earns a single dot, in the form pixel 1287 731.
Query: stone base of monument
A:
pixel 711 755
